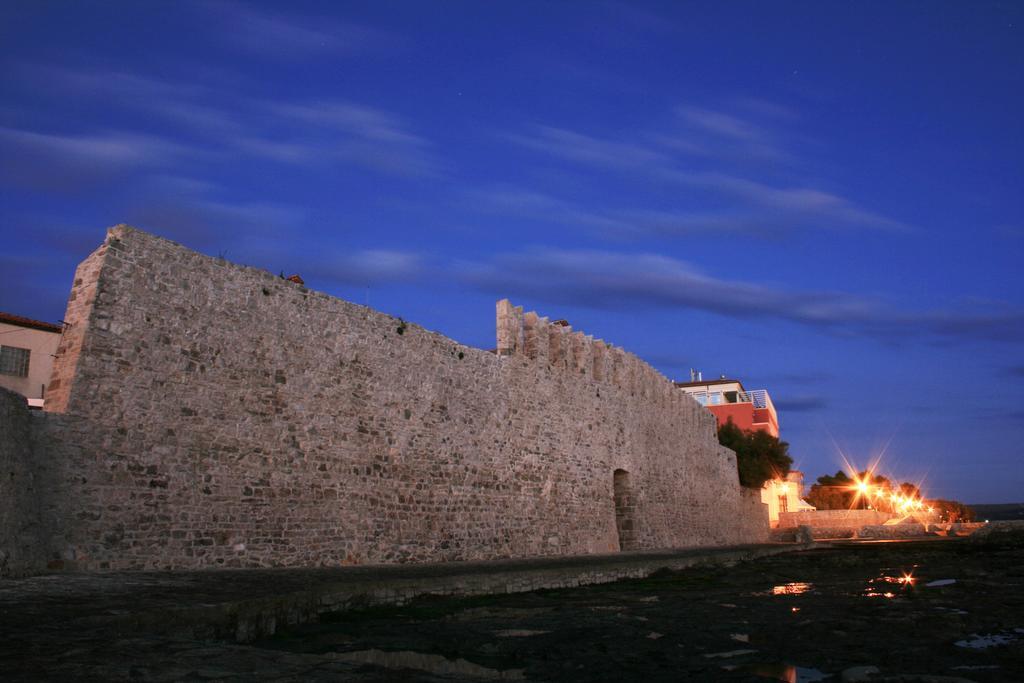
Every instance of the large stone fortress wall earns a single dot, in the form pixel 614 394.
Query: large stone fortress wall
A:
pixel 206 414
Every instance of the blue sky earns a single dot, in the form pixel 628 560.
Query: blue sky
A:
pixel 821 199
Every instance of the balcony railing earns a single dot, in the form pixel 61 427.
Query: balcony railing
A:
pixel 758 397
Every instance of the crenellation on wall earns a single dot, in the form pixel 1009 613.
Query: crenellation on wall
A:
pixel 599 355
pixel 580 352
pixel 509 328
pixel 535 336
pixel 614 366
pixel 556 345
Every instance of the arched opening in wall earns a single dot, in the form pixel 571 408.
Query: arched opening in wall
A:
pixel 625 521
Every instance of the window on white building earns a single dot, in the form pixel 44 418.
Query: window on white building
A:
pixel 14 361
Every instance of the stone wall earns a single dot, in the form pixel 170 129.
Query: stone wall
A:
pixel 22 543
pixel 833 519
pixel 211 415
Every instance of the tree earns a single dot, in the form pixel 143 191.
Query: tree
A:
pixel 759 455
pixel 840 491
pixel 910 490
pixel 832 492
pixel 952 510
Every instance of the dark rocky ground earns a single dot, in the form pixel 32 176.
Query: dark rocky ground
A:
pixel 789 617
pixel 797 616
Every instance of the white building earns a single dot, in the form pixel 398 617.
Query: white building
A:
pixel 27 348
pixel 785 495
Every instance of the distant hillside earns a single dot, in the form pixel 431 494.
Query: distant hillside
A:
pixel 998 511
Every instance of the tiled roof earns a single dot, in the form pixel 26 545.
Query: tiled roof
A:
pixel 11 319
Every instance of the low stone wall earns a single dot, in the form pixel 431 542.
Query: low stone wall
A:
pixel 833 519
pixel 22 549
pixel 891 531
pixel 877 532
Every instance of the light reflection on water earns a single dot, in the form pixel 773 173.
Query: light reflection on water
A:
pixel 794 588
pixel 781 672
pixel 879 587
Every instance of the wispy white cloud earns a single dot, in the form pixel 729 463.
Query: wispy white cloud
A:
pixel 368 267
pixel 518 201
pixel 201 214
pixel 831 209
pixel 714 134
pixel 617 223
pixel 578 147
pixel 316 133
pixel 349 132
pixel 777 208
pixel 69 163
pixel 191 105
pixel 617 281
pixel 276 150
pixel 204 214
pixel 354 119
pixel 117 148
pixel 109 83
pixel 289 36
pixel 213 223
pixel 719 123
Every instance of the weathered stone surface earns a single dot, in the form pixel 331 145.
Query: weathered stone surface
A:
pixel 22 544
pixel 205 414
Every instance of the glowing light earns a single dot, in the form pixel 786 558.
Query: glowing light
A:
pixel 875 491
pixel 792 588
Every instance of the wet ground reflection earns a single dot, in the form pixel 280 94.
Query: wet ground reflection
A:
pixel 883 586
pixel 792 588
pixel 979 642
pixel 853 608
pixel 435 664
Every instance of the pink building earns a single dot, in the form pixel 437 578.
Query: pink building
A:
pixel 728 399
